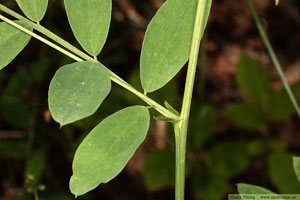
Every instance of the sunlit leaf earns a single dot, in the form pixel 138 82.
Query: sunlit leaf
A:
pixel 89 20
pixel 12 42
pixel 244 188
pixel 296 163
pixel 33 9
pixel 105 151
pixel 77 90
pixel 167 42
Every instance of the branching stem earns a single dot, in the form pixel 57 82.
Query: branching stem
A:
pixel 182 126
pixel 79 56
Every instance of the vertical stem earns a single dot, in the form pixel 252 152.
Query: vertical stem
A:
pixel 181 127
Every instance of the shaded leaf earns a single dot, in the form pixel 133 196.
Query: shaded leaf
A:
pixel 209 186
pixel 15 111
pixel 35 167
pixel 12 42
pixel 167 42
pixel 202 124
pixel 12 149
pixel 246 115
pixel 256 147
pixel 296 164
pixel 282 173
pixel 77 90
pixel 244 188
pixel 159 170
pixel 89 20
pixel 253 79
pixel 105 151
pixel 27 76
pixel 33 9
pixel 279 105
pixel 228 159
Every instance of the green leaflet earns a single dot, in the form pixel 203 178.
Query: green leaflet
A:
pixel 167 42
pixel 244 188
pixel 33 9
pixel 296 164
pixel 105 151
pixel 77 90
pixel 253 79
pixel 89 20
pixel 12 42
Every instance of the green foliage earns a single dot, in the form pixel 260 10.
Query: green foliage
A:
pixel 12 149
pixel 15 111
pixel 159 170
pixel 228 159
pixel 209 186
pixel 33 9
pixel 279 105
pixel 246 115
pixel 282 173
pixel 77 90
pixel 253 79
pixel 108 147
pixel 90 22
pixel 167 42
pixel 35 168
pixel 244 188
pixel 203 121
pixel 12 42
pixel 296 164
pixel 27 77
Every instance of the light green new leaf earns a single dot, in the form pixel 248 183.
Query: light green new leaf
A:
pixel 105 151
pixel 12 42
pixel 296 163
pixel 167 42
pixel 77 90
pixel 33 9
pixel 89 20
pixel 244 188
pixel 253 79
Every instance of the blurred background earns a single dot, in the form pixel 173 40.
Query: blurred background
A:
pixel 243 127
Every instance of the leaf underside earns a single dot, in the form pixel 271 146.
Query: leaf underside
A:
pixel 105 151
pixel 89 20
pixel 12 42
pixel 77 90
pixel 33 9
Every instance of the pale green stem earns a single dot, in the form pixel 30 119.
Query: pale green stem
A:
pixel 36 196
pixel 273 57
pixel 182 126
pixel 113 76
pixel 40 38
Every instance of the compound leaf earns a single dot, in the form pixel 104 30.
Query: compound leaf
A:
pixel 167 42
pixel 12 42
pixel 33 9
pixel 89 20
pixel 77 90
pixel 105 151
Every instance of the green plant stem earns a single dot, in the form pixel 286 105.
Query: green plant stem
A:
pixel 115 78
pixel 273 57
pixel 182 126
pixel 36 196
